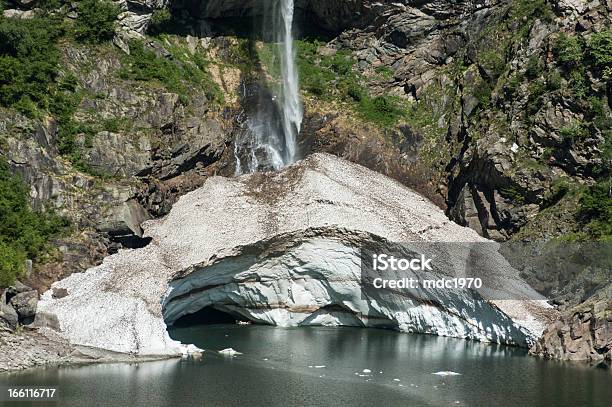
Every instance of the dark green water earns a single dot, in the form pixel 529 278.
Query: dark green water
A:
pixel 274 371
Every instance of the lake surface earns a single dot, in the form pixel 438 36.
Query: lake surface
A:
pixel 318 366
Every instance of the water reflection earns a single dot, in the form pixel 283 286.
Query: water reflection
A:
pixel 278 369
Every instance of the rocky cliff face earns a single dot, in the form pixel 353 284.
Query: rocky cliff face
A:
pixel 140 148
pixel 503 122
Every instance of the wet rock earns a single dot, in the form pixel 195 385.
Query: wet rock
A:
pixel 194 143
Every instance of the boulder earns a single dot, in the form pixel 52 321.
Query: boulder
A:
pixel 8 317
pixel 58 292
pixel 282 248
pixel 25 304
pixel 16 288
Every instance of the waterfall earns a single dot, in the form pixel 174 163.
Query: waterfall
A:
pixel 269 139
pixel 291 105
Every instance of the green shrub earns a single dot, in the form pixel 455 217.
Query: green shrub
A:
pixel 316 75
pixel 573 133
pixel 513 84
pixel 355 92
pixel 493 63
pixel 600 113
pixel 49 5
pixel 63 107
pixel 596 210
pixel 600 49
pixel 558 190
pixel 28 62
pixel 483 91
pixel 513 193
pixel 531 9
pixel 385 71
pixel 554 80
pixel 24 233
pixel 12 262
pixel 174 74
pixel 568 51
pixel 160 21
pixel 578 83
pixel 536 91
pixel 534 68
pixel 96 20
pixel 341 63
pixel 381 110
pixel 332 77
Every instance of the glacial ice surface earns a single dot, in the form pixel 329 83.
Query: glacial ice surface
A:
pixel 281 248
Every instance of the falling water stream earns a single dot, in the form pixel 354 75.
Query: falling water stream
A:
pixel 270 140
pixel 291 105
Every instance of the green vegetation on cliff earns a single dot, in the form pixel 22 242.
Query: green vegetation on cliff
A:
pixel 329 75
pixel 96 22
pixel 28 62
pixel 176 74
pixel 24 233
pixel 596 211
pixel 34 82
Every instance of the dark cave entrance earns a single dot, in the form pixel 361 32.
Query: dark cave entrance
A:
pixel 208 316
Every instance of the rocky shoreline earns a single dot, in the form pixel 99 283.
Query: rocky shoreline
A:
pixel 582 333
pixel 32 348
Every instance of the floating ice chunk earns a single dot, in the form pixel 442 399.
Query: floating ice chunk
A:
pixel 229 352
pixel 191 350
pixel 447 373
pixel 366 371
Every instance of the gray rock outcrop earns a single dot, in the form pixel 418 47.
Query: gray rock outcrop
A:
pixel 583 332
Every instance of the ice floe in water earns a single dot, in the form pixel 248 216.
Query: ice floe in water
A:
pixel 229 352
pixel 447 373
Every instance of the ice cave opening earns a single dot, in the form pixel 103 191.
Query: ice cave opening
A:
pixel 208 316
